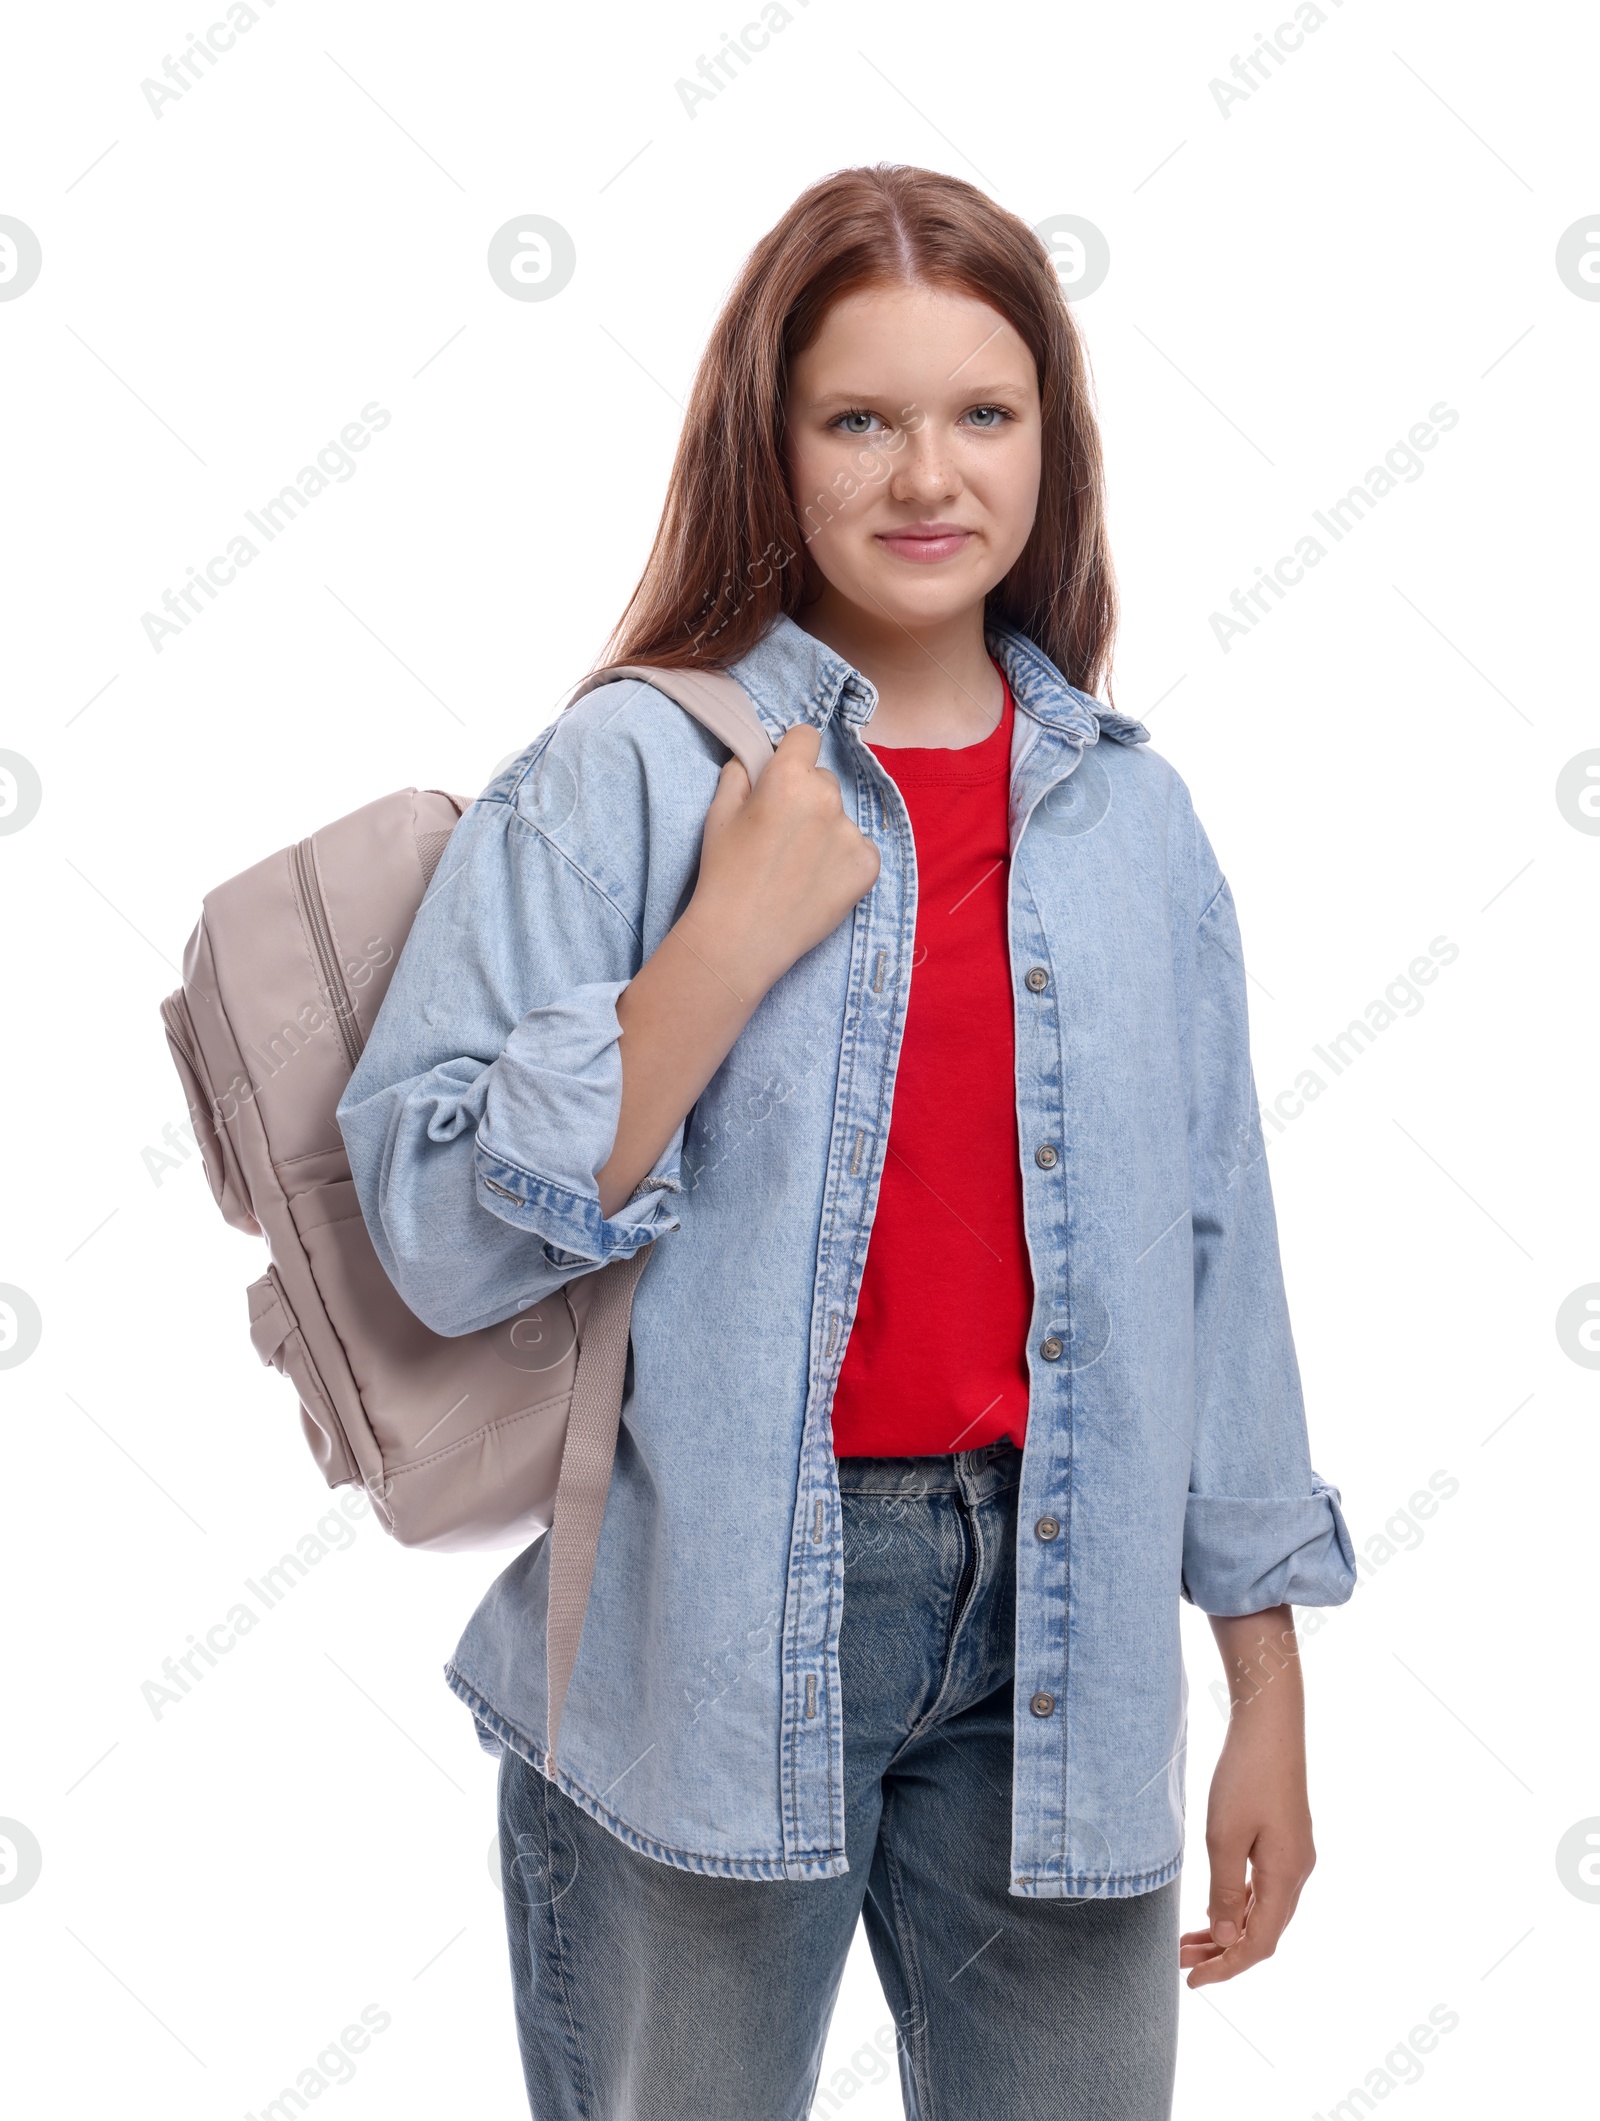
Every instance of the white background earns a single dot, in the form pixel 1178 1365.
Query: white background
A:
pixel 1292 287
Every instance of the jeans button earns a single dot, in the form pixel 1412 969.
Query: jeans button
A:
pixel 1046 1157
pixel 1043 1704
pixel 1036 979
pixel 1050 1348
pixel 1048 1527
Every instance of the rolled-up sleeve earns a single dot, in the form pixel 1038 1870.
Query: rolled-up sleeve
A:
pixel 487 1096
pixel 1304 1544
pixel 1261 1527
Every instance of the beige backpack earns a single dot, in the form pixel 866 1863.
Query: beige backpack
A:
pixel 484 1439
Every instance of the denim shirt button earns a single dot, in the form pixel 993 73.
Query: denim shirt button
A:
pixel 1048 1527
pixel 1046 1157
pixel 1036 979
pixel 1050 1348
pixel 1043 1704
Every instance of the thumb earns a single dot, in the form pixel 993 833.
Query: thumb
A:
pixel 801 740
pixel 1230 1894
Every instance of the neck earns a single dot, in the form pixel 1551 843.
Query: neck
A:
pixel 936 686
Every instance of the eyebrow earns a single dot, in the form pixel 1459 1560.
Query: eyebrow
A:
pixel 978 393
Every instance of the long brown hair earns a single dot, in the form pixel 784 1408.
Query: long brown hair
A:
pixel 728 552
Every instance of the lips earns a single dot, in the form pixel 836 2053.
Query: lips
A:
pixel 925 543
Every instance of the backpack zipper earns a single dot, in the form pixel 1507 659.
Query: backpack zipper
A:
pixel 337 993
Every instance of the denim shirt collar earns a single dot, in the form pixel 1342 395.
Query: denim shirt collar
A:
pixel 792 676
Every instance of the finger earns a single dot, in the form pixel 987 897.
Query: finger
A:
pixel 732 792
pixel 801 741
pixel 1197 1947
pixel 1230 1890
pixel 1272 1903
pixel 1217 1964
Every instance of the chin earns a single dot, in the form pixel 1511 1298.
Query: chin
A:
pixel 939 601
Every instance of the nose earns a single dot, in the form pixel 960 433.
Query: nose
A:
pixel 926 472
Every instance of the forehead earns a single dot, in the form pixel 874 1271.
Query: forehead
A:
pixel 939 336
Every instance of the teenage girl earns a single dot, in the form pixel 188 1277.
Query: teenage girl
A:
pixel 961 1352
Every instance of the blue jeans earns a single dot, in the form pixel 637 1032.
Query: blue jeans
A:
pixel 649 1993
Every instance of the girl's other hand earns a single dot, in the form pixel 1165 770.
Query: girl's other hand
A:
pixel 1258 1821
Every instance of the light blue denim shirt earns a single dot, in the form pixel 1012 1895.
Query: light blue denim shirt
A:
pixel 1166 1433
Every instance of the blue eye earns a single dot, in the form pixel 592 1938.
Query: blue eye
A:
pixel 988 416
pixel 846 419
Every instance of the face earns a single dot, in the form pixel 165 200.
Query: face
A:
pixel 913 449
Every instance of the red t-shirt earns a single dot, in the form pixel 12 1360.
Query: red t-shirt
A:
pixel 937 1357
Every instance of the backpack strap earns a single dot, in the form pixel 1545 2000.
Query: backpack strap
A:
pixel 715 700
pixel 604 1303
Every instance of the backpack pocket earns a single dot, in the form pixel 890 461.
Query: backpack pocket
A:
pixel 279 1341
